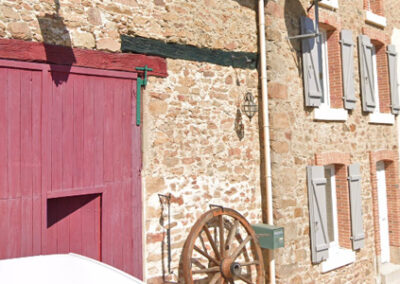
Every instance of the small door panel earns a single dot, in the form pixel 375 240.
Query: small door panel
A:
pixel 74 225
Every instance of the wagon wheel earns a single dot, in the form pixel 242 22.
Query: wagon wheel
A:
pixel 222 248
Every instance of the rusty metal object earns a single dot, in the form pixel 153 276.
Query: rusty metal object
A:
pixel 222 248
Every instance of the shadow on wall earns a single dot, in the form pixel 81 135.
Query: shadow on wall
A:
pixel 293 11
pixel 55 32
pixel 60 208
pixel 251 4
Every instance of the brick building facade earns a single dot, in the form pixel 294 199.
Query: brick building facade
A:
pixel 338 133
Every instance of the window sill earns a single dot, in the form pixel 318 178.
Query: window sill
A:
pixel 338 258
pixel 375 19
pixel 330 114
pixel 381 118
pixel 333 4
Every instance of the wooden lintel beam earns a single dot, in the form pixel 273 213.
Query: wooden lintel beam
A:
pixel 63 55
pixel 236 59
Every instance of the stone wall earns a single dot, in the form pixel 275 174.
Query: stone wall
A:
pixel 193 152
pixel 228 25
pixel 189 144
pixel 293 125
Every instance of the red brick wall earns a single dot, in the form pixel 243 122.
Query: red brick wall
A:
pixel 380 41
pixel 390 159
pixel 393 201
pixel 341 161
pixel 376 35
pixel 375 6
pixel 335 69
pixel 383 77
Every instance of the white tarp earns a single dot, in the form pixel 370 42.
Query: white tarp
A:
pixel 61 269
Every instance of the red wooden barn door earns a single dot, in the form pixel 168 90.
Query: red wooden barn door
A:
pixel 71 182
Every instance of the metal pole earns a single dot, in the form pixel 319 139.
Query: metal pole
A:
pixel 267 153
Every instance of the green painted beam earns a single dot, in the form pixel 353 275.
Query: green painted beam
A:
pixel 236 59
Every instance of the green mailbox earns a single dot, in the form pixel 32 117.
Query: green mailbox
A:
pixel 269 236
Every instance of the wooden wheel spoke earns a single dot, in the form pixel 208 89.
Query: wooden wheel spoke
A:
pixel 208 270
pixel 216 236
pixel 213 245
pixel 209 257
pixel 215 278
pixel 255 262
pixel 202 242
pixel 196 262
pixel 244 279
pixel 240 247
pixel 232 233
pixel 221 235
pixel 201 281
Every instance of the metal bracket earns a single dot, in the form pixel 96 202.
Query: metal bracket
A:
pixel 314 3
pixel 343 42
pixel 168 196
pixel 140 82
pixel 354 178
pixel 212 206
pixel 303 36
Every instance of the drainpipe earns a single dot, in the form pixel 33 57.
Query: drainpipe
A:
pixel 267 153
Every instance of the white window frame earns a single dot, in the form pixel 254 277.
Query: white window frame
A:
pixel 337 256
pixel 324 111
pixel 376 116
pixel 333 4
pixel 333 244
pixel 376 83
pixel 383 210
pixel 324 63
pixel 374 19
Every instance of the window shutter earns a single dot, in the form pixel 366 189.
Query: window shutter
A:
pixel 356 206
pixel 318 216
pixel 348 69
pixel 394 85
pixel 367 74
pixel 311 64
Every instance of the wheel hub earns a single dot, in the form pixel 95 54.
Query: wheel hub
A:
pixel 236 269
pixel 230 269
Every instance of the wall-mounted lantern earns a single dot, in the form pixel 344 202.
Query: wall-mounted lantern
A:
pixel 250 107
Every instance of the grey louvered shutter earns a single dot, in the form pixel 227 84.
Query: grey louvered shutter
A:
pixel 367 73
pixel 318 216
pixel 349 96
pixel 394 85
pixel 311 64
pixel 357 228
